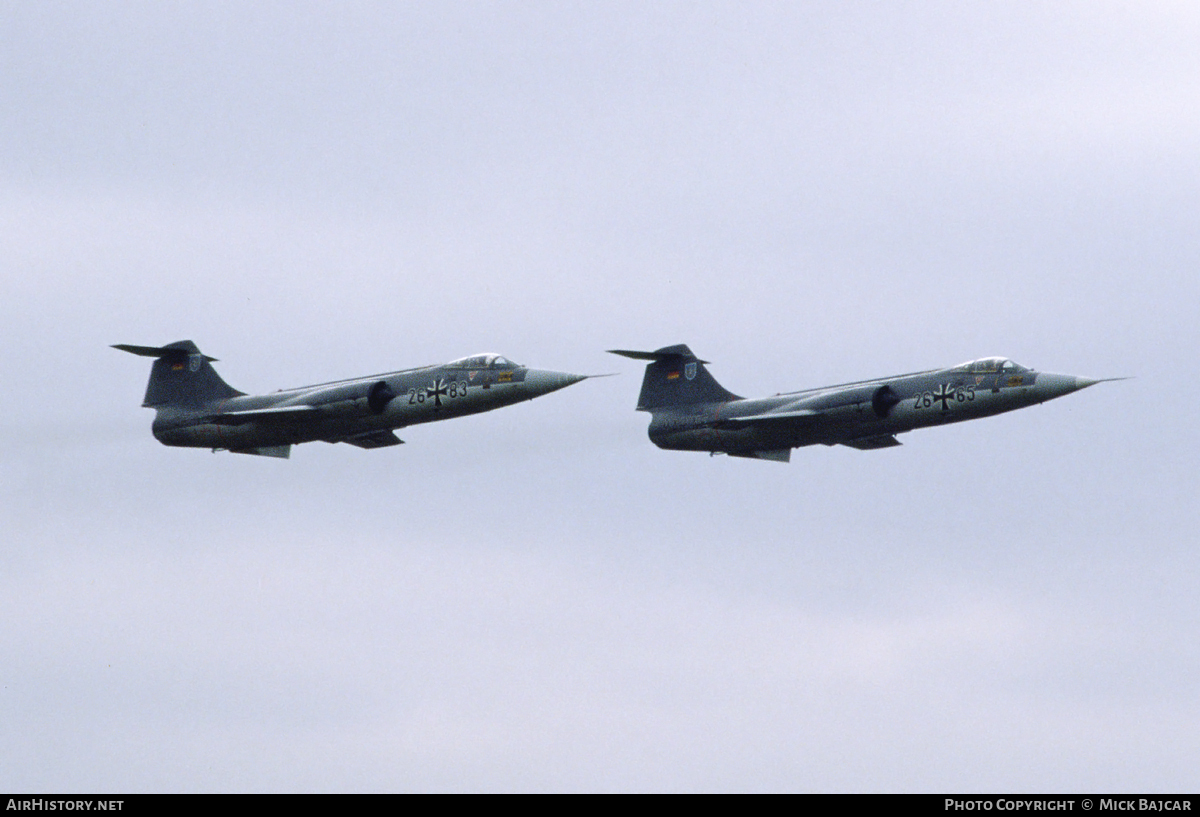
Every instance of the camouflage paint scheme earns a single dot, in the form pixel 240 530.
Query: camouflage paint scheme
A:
pixel 195 408
pixel 690 411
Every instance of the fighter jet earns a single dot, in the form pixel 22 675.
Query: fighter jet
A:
pixel 195 408
pixel 690 411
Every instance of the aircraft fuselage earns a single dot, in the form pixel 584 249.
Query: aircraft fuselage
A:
pixel 855 411
pixel 344 410
pixel 195 408
pixel 690 411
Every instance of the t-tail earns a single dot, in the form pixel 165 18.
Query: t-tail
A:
pixel 675 377
pixel 181 376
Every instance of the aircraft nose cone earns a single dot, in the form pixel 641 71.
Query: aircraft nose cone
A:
pixel 540 381
pixel 1050 386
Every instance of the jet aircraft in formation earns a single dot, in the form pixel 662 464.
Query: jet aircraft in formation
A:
pixel 690 411
pixel 195 408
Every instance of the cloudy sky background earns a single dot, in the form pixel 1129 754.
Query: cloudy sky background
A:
pixel 538 598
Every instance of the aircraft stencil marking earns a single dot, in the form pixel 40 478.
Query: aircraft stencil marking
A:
pixel 945 395
pixel 436 391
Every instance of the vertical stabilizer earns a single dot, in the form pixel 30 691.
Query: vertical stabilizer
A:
pixel 676 377
pixel 180 376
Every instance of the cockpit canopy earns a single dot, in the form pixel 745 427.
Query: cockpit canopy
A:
pixel 990 365
pixel 485 361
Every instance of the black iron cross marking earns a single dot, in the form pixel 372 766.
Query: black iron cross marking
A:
pixel 945 395
pixel 436 391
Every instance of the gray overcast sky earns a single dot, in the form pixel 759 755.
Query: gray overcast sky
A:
pixel 538 598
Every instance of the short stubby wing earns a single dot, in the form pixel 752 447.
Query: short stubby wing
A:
pixel 372 439
pixel 871 443
pixel 776 419
pixel 263 415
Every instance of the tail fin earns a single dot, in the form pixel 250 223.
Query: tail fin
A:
pixel 676 377
pixel 180 376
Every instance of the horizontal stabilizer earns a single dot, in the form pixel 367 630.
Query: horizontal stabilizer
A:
pixel 373 439
pixel 275 414
pixel 871 443
pixel 774 454
pixel 654 356
pixel 157 351
pixel 181 376
pixel 675 377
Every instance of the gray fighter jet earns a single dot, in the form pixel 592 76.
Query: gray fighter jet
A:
pixel 690 411
pixel 197 409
